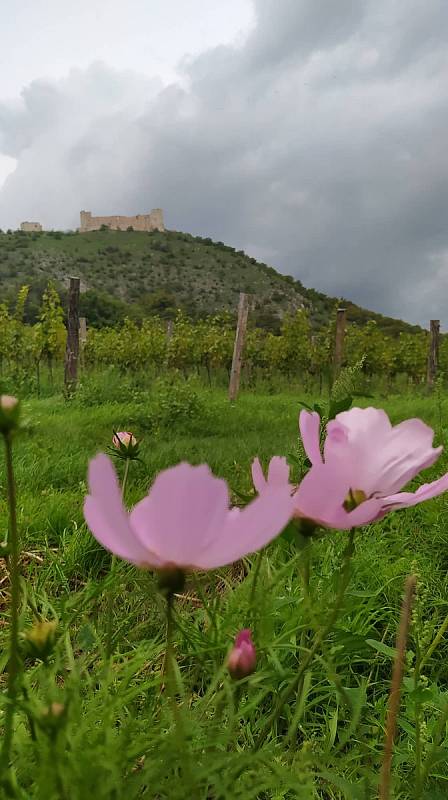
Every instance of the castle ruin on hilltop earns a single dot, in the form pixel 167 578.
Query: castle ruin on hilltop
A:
pixel 141 222
pixel 30 227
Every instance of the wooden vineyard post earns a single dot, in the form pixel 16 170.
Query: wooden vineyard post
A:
pixel 341 320
pixel 243 312
pixel 72 347
pixel 433 355
pixel 82 339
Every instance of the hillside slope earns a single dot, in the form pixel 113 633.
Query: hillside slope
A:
pixel 133 273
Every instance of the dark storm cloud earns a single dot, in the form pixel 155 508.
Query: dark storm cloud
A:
pixel 319 145
pixel 296 28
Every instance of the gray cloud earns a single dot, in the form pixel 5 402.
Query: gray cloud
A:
pixel 318 145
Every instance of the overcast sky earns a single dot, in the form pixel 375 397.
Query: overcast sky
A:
pixel 311 133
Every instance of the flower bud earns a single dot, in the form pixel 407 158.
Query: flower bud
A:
pixel 242 659
pixel 124 445
pixel 53 718
pixel 9 413
pixel 123 438
pixel 40 640
pixel 54 710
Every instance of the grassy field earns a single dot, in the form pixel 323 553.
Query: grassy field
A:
pixel 114 734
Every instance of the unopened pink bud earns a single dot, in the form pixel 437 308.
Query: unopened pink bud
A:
pixel 125 438
pixel 243 657
pixel 9 413
pixel 8 402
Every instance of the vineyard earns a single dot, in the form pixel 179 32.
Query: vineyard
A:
pixel 298 353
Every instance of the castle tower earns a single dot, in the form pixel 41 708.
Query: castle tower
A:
pixel 156 217
pixel 86 217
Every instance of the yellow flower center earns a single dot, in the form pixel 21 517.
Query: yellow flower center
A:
pixel 354 499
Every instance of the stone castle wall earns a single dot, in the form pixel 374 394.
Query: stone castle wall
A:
pixel 141 222
pixel 30 227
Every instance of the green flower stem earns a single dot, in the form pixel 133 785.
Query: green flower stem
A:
pixel 207 606
pixel 113 563
pixel 305 544
pixel 291 688
pixel 417 725
pixel 236 689
pixel 29 713
pixel 439 733
pixel 324 658
pixel 169 673
pixel 421 774
pixel 305 567
pixel 435 642
pixel 125 479
pixel 14 664
pixel 305 547
pixel 255 574
pixel 393 705
pixel 220 677
pixel 169 652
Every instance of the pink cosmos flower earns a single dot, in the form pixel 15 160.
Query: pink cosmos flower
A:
pixel 242 659
pixel 125 438
pixel 278 473
pixel 184 522
pixel 365 463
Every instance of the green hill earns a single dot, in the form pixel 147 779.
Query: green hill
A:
pixel 130 273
